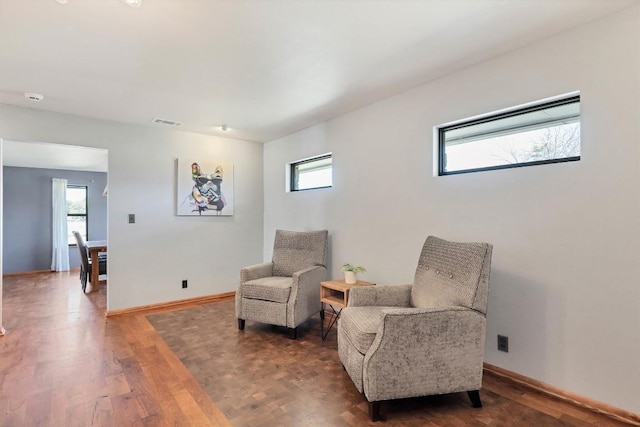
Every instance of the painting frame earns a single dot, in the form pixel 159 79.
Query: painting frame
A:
pixel 204 187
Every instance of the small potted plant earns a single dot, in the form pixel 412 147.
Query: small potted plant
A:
pixel 351 273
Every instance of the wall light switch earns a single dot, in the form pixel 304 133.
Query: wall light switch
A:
pixel 132 218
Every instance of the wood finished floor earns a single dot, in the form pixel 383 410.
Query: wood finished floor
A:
pixel 63 364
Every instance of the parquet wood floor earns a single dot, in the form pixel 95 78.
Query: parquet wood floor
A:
pixel 62 363
pixel 259 377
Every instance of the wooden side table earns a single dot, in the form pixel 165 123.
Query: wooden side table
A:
pixel 336 294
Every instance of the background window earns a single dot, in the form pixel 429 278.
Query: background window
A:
pixel 539 134
pixel 76 212
pixel 312 173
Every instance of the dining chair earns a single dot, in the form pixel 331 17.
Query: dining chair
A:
pixel 85 262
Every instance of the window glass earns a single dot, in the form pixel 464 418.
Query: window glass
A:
pixel 540 134
pixel 312 173
pixel 76 212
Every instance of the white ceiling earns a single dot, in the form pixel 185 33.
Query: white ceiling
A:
pixel 265 68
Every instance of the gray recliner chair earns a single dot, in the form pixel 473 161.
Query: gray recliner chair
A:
pixel 285 291
pixel 427 338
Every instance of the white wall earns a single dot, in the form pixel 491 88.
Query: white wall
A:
pixel 565 282
pixel 149 259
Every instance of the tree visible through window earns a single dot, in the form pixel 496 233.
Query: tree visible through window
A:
pixel 76 212
pixel 540 134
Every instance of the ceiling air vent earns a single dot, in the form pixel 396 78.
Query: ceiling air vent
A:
pixel 32 96
pixel 166 122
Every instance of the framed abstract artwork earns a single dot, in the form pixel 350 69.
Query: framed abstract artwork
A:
pixel 204 187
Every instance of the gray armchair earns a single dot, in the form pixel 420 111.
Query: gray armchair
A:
pixel 285 291
pixel 422 339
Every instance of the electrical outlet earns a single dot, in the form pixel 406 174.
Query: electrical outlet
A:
pixel 184 284
pixel 132 218
pixel 503 343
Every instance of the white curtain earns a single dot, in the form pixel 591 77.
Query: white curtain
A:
pixel 60 255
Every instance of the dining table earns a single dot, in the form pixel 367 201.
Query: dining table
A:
pixel 96 247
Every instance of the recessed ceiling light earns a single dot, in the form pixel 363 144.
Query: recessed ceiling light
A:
pixel 132 3
pixel 35 97
pixel 62 1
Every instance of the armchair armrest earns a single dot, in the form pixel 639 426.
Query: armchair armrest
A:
pixel 310 272
pixel 256 271
pixel 420 351
pixel 304 299
pixel 382 295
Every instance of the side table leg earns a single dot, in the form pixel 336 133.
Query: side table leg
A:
pixel 322 321
pixel 332 321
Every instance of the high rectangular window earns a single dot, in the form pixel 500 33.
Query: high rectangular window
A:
pixel 77 213
pixel 547 132
pixel 307 174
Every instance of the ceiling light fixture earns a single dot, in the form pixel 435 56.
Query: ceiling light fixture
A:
pixel 224 128
pixel 132 3
pixel 62 1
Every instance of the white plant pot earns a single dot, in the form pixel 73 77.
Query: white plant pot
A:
pixel 350 277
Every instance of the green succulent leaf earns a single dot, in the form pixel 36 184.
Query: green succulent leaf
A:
pixel 355 269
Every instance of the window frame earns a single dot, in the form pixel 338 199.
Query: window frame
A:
pixel 86 209
pixel 292 181
pixel 517 111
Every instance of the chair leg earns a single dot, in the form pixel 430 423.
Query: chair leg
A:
pixel 293 333
pixel 474 395
pixel 374 411
pixel 241 324
pixel 83 280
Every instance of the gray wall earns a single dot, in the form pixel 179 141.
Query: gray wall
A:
pixel 27 226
